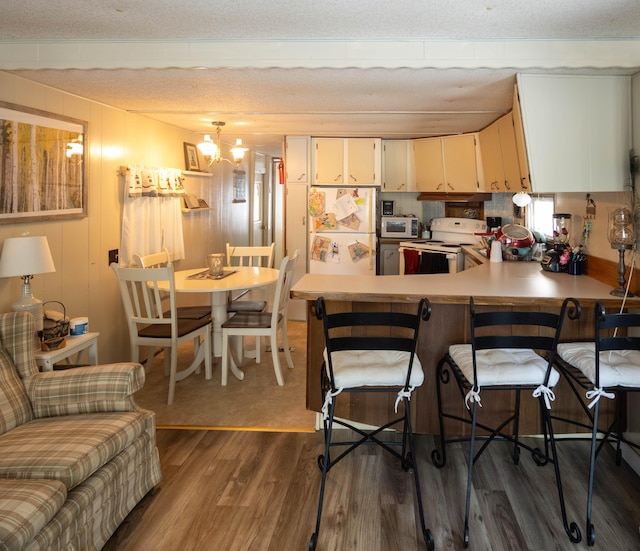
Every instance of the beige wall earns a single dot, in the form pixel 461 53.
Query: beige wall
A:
pixel 83 280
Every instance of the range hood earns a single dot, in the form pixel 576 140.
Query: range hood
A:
pixel 477 197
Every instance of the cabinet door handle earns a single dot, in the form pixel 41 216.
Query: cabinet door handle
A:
pixel 303 221
pixel 338 177
pixel 450 186
pixel 440 185
pixel 301 176
pixel 353 177
pixel 506 184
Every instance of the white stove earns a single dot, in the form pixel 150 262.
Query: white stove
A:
pixel 448 235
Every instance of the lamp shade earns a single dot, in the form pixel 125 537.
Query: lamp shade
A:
pixel 26 255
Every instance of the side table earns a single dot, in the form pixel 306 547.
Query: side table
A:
pixel 74 345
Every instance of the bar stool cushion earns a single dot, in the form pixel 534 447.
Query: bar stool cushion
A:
pixel 503 366
pixel 355 368
pixel 617 367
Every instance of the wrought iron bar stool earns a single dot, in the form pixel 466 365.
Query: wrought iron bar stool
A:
pixel 599 369
pixel 510 351
pixel 371 352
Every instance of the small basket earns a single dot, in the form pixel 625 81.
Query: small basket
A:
pixel 54 329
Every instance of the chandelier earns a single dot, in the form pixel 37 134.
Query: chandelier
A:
pixel 211 151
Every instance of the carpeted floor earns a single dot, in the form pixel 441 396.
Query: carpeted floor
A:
pixel 256 403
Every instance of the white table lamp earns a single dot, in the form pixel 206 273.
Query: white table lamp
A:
pixel 24 257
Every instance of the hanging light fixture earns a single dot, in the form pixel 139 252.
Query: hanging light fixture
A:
pixel 212 152
pixel 521 199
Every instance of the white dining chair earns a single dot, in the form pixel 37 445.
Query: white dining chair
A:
pixel 264 324
pixel 150 324
pixel 159 260
pixel 260 256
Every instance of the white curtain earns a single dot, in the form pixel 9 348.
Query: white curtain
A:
pixel 152 213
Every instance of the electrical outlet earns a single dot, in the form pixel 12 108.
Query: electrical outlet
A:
pixel 113 256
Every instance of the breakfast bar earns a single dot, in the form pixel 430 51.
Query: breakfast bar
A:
pixel 499 285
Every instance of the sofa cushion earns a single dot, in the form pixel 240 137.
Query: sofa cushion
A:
pixel 15 408
pixel 69 448
pixel 26 506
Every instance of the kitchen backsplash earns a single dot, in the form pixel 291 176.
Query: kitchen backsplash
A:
pixel 407 203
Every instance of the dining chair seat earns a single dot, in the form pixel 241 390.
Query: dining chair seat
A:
pixel 247 306
pixel 617 367
pixel 250 320
pixel 184 327
pixel 507 366
pixel 358 368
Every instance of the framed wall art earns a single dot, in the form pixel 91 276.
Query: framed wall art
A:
pixel 191 157
pixel 42 165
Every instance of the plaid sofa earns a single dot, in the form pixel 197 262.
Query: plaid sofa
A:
pixel 76 453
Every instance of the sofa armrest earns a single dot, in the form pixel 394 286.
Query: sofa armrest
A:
pixel 93 389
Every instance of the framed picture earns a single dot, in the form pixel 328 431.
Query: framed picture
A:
pixel 191 157
pixel 239 186
pixel 43 165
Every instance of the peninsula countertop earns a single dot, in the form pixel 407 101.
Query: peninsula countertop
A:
pixel 508 283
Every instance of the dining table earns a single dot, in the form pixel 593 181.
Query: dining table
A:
pixel 234 278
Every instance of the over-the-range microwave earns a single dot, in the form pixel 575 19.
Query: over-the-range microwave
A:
pixel 399 226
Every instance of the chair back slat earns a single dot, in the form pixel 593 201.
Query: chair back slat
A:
pixel 612 333
pixel 260 256
pixel 394 331
pixel 142 298
pixel 283 286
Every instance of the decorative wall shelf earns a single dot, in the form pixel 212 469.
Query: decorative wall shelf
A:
pixel 195 173
pixel 194 210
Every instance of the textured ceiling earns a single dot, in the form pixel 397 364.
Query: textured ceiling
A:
pixel 391 101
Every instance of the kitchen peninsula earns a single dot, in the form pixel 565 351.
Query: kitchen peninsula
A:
pixel 502 285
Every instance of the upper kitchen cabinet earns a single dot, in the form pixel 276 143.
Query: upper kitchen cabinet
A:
pixel 350 161
pixel 297 159
pixel 577 130
pixel 521 146
pixel 398 173
pixel 446 165
pixel 500 162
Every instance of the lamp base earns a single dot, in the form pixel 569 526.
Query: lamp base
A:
pixel 28 303
pixel 621 291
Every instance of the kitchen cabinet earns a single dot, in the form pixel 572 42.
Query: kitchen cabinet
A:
pixel 350 161
pixel 500 162
pixel 398 173
pixel 297 150
pixel 491 158
pixel 577 130
pixel 521 147
pixel 446 164
pixel 427 154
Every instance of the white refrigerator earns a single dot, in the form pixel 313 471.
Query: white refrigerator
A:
pixel 342 230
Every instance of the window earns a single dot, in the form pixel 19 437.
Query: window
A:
pixel 540 214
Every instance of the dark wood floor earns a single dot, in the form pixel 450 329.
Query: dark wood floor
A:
pixel 238 491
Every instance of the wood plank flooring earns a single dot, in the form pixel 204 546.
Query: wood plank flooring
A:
pixel 239 491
